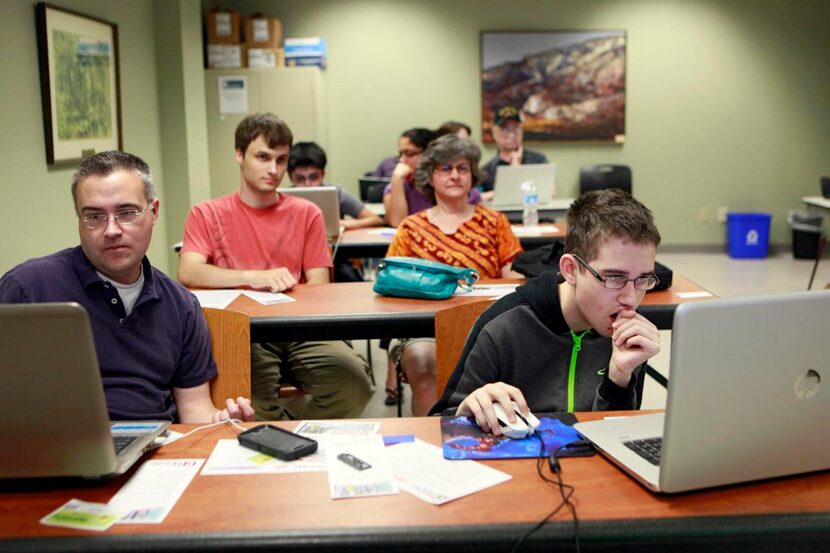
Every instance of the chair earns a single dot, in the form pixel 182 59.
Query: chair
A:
pixel 452 325
pixel 598 177
pixel 230 338
pixel 371 189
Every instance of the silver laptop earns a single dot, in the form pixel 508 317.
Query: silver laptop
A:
pixel 507 187
pixel 327 199
pixel 745 398
pixel 53 415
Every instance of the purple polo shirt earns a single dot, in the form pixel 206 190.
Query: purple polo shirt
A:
pixel 162 344
pixel 416 201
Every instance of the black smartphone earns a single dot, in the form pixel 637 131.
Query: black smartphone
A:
pixel 277 442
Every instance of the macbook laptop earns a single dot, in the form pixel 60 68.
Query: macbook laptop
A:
pixel 327 199
pixel 745 401
pixel 53 415
pixel 507 187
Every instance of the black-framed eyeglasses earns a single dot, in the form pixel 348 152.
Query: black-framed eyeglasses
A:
pixel 122 217
pixel 618 282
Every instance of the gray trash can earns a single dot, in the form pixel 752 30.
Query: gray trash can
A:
pixel 806 233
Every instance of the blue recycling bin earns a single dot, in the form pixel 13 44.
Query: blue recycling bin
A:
pixel 747 234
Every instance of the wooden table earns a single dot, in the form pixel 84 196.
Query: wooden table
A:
pixel 373 242
pixel 294 512
pixel 351 310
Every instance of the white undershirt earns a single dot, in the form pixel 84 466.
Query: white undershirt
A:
pixel 127 292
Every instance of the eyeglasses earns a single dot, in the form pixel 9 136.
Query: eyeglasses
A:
pixel 447 168
pixel 618 282
pixel 410 153
pixel 121 218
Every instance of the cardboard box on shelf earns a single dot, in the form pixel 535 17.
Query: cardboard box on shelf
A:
pixel 305 47
pixel 263 32
pixel 226 56
pixel 223 27
pixel 306 61
pixel 261 58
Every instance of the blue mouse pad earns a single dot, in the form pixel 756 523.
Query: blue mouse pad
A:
pixel 463 439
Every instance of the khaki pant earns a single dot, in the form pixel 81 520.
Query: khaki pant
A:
pixel 332 373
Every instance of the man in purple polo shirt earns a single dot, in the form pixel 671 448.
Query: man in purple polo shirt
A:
pixel 152 341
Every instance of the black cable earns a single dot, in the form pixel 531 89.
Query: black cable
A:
pixel 566 495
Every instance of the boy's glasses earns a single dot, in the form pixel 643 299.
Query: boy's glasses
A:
pixel 618 282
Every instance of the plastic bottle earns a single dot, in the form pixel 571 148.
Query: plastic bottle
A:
pixel 530 205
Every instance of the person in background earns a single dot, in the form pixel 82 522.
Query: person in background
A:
pixel 400 197
pixel 258 238
pixel 455 127
pixel 307 167
pixel 454 232
pixel 571 340
pixel 151 339
pixel 508 134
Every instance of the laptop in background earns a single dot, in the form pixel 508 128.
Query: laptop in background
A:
pixel 744 396
pixel 327 199
pixel 507 187
pixel 53 414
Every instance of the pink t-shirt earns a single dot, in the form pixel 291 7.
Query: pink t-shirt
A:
pixel 233 235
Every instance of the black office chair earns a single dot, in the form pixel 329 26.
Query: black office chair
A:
pixel 825 186
pixel 371 189
pixel 598 177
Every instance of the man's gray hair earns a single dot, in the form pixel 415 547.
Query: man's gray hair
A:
pixel 441 150
pixel 104 164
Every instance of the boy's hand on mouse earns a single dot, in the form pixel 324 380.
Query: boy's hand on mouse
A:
pixel 635 340
pixel 479 404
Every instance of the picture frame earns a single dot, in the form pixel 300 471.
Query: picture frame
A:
pixel 79 81
pixel 567 85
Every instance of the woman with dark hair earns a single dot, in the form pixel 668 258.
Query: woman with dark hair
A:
pixel 454 232
pixel 400 198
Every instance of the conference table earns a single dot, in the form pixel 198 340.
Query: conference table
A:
pixel 373 242
pixel 352 311
pixel 294 512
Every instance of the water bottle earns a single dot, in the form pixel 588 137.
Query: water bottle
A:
pixel 530 204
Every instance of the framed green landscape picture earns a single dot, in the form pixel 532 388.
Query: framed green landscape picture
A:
pixel 79 83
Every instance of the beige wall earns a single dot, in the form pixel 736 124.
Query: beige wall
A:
pixel 727 102
pixel 36 215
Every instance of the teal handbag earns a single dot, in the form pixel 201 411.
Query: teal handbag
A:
pixel 410 277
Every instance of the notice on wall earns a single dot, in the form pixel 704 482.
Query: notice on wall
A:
pixel 233 95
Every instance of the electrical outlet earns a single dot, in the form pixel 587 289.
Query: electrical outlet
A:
pixel 705 215
pixel 722 211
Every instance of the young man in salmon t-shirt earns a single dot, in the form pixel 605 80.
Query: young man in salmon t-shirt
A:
pixel 260 239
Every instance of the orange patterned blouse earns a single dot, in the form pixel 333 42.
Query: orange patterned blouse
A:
pixel 485 242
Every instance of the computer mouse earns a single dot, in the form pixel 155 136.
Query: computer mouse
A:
pixel 524 426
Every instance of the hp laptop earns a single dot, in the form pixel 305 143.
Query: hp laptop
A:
pixel 327 199
pixel 507 188
pixel 53 415
pixel 745 402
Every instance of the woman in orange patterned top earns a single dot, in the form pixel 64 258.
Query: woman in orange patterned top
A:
pixel 453 232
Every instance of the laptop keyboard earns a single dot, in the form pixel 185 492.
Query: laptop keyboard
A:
pixel 648 449
pixel 122 441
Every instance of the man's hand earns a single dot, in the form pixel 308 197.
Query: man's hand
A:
pixel 479 404
pixel 240 409
pixel 517 155
pixel 274 280
pixel 635 341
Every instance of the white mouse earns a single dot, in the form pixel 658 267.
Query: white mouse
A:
pixel 523 427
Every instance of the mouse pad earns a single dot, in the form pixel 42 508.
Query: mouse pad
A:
pixel 463 439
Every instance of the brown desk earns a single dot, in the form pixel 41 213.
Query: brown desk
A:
pixel 373 242
pixel 294 512
pixel 351 310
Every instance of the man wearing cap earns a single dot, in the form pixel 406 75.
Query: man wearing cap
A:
pixel 507 131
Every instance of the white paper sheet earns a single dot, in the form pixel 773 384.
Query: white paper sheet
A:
pixel 218 299
pixel 345 481
pixel 690 295
pixel 383 231
pixel 420 469
pixel 268 298
pixel 153 491
pixel 538 230
pixel 83 515
pixel 487 290
pixel 312 429
pixel 233 95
